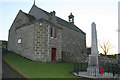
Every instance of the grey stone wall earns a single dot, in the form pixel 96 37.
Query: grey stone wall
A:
pixel 75 58
pixel 40 42
pixel 56 43
pixel 19 20
pixel 43 43
pixel 118 58
pixel 73 42
pixel 36 42
pixel 26 47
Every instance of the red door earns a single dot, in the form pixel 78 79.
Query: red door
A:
pixel 53 57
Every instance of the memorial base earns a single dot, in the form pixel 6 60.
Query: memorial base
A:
pixel 93 65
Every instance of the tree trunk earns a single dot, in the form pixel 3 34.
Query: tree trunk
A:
pixel 105 53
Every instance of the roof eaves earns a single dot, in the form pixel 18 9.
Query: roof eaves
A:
pixel 31 18
pixel 64 23
pixel 42 20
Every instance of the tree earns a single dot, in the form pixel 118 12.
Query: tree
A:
pixel 106 46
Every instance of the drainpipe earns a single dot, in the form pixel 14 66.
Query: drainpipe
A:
pixel 48 38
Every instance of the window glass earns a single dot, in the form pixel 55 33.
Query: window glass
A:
pixel 51 32
pixel 19 41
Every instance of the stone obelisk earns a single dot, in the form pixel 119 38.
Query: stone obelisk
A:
pixel 94 58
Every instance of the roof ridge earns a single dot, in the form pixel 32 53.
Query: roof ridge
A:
pixel 62 21
pixel 41 9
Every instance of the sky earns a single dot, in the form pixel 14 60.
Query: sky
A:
pixel 103 12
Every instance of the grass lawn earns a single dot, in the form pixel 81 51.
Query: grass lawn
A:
pixel 31 69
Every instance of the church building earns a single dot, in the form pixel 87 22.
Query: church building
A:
pixel 42 36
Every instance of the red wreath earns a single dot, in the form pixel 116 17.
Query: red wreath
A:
pixel 101 70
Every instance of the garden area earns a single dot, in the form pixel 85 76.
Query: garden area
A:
pixel 33 69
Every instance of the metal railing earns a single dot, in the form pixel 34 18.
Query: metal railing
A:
pixel 108 68
pixel 80 67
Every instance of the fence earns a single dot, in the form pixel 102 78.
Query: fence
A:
pixel 80 67
pixel 111 68
pixel 108 68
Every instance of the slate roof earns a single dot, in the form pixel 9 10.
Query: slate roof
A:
pixel 31 18
pixel 65 23
pixel 59 21
pixel 42 20
pixel 69 25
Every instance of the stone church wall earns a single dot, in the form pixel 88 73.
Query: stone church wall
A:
pixel 43 43
pixel 19 20
pixel 74 58
pixel 73 42
pixel 26 34
pixel 40 42
pixel 56 43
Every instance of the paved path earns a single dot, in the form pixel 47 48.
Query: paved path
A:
pixel 106 76
pixel 8 72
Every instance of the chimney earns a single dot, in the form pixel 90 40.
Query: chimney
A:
pixel 52 17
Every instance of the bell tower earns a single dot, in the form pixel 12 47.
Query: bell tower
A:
pixel 71 18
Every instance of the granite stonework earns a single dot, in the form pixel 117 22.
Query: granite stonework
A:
pixel 71 42
pixel 34 30
pixel 44 43
pixel 37 43
pixel 20 19
pixel 94 58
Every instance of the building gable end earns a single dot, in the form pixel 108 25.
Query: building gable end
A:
pixel 37 13
pixel 20 19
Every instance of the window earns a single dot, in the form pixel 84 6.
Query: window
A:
pixel 40 24
pixel 55 33
pixel 19 41
pixel 51 32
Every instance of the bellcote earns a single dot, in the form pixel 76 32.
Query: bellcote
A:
pixel 71 18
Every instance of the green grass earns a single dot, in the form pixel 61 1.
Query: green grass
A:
pixel 31 69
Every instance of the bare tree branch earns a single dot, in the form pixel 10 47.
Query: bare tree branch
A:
pixel 106 46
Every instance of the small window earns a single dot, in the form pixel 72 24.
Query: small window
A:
pixel 19 41
pixel 40 24
pixel 55 33
pixel 51 32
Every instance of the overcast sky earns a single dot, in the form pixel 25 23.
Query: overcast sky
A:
pixel 103 12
